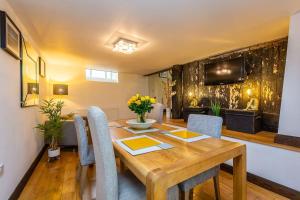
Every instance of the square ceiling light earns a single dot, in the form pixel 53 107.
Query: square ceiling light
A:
pixel 124 43
pixel 125 46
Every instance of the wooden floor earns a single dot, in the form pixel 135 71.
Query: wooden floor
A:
pixel 57 180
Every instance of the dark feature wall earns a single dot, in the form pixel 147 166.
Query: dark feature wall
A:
pixel 178 98
pixel 265 64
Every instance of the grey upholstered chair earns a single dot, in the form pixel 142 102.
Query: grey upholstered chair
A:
pixel 111 185
pixel 157 112
pixel 85 151
pixel 208 125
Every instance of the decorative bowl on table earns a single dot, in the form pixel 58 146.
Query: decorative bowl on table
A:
pixel 133 123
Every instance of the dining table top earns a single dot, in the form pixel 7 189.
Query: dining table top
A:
pixel 159 170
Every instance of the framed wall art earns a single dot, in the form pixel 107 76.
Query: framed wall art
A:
pixel 29 75
pixel 42 67
pixel 10 36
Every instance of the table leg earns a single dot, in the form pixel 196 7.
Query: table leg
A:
pixel 240 176
pixel 155 186
pixel 122 167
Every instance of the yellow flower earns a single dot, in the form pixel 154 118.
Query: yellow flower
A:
pixel 147 97
pixel 138 102
pixel 143 99
pixel 129 102
pixel 152 100
pixel 133 98
pixel 137 95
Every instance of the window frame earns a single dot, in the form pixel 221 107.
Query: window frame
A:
pixel 89 76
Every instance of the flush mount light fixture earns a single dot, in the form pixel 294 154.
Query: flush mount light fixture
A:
pixel 125 46
pixel 125 43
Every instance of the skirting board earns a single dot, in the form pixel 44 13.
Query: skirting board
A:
pixel 287 140
pixel 15 195
pixel 267 184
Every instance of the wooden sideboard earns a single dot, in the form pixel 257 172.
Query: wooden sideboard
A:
pixel 237 120
pixel 188 111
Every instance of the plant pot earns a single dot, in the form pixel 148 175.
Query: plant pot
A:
pixel 168 113
pixel 54 153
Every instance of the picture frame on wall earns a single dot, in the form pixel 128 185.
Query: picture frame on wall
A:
pixel 29 75
pixel 10 36
pixel 42 67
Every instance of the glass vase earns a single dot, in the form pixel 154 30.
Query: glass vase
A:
pixel 141 118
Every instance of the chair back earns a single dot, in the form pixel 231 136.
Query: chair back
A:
pixel 157 112
pixel 106 171
pixel 82 139
pixel 205 124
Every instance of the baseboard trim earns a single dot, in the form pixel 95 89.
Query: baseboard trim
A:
pixel 287 140
pixel 267 184
pixel 16 193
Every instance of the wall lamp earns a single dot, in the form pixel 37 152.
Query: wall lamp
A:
pixel 32 88
pixel 60 89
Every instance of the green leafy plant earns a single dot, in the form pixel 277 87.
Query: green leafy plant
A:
pixel 216 108
pixel 52 128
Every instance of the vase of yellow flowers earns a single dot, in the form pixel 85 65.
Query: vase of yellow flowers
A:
pixel 141 105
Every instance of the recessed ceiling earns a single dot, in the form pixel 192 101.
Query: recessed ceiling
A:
pixel 176 31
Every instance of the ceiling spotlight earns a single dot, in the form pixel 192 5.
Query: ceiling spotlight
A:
pixel 125 46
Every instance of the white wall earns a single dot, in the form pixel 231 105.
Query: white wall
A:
pixel 19 142
pixel 111 97
pixel 290 111
pixel 275 164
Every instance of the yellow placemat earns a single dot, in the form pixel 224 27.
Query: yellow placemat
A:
pixel 140 143
pixel 186 134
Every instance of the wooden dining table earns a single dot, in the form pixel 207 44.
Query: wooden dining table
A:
pixel 160 170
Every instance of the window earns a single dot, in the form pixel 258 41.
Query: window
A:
pixel 101 75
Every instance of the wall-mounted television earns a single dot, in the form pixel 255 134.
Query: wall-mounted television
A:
pixel 225 72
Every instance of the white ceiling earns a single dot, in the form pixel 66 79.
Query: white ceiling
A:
pixel 176 31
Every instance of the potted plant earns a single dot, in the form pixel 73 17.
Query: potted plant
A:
pixel 216 108
pixel 141 105
pixel 52 127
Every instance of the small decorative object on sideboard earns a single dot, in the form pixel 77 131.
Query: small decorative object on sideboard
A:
pixel 253 102
pixel 141 105
pixel 194 101
pixel 52 128
pixel 10 36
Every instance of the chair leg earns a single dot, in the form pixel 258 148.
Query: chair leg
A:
pixel 78 171
pixel 191 195
pixel 83 182
pixel 184 195
pixel 187 195
pixel 217 187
